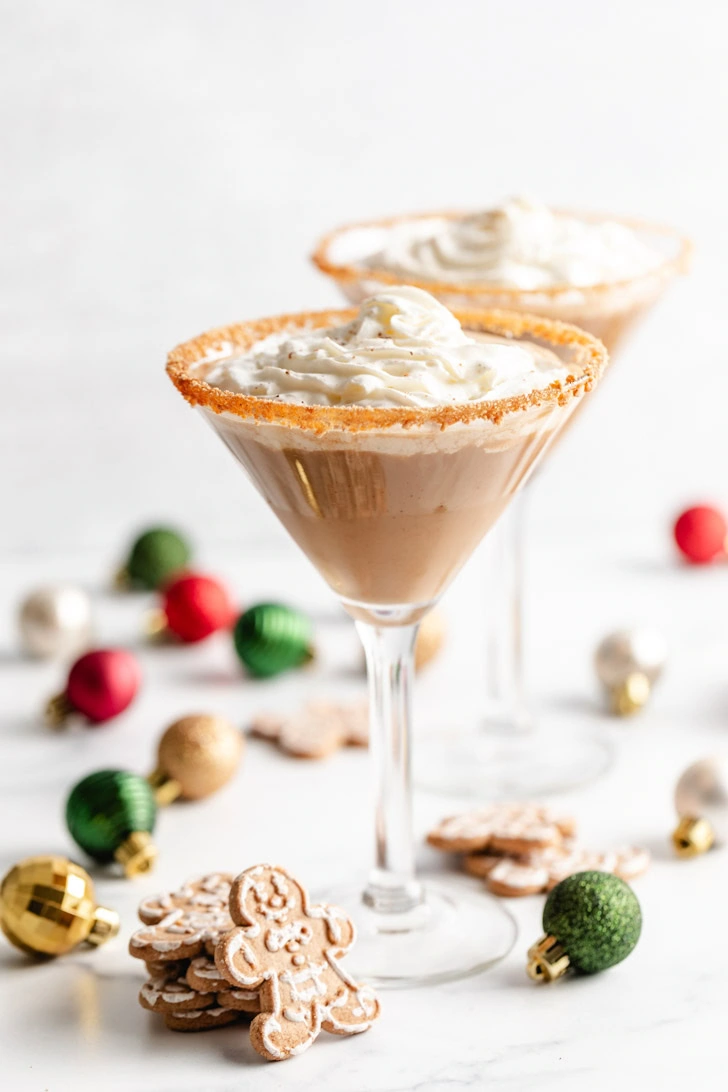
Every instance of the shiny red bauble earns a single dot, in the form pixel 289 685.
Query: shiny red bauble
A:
pixel 701 533
pixel 196 606
pixel 103 683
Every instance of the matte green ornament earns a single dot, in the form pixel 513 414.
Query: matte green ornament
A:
pixel 111 815
pixel 592 920
pixel 155 556
pixel 271 638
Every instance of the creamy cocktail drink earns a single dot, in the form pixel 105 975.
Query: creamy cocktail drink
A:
pixel 389 515
pixel 388 441
pixel 601 272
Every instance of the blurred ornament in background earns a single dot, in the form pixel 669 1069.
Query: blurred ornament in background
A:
pixel 197 755
pixel 430 639
pixel 628 663
pixel 111 815
pixel 155 556
pixel 48 907
pixel 701 802
pixel 55 621
pixel 193 607
pixel 591 921
pixel 101 685
pixel 271 638
pixel 701 534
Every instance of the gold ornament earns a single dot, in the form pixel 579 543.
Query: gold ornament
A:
pixel 430 639
pixel 47 907
pixel 701 802
pixel 628 664
pixel 197 755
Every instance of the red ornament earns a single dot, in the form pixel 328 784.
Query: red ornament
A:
pixel 196 606
pixel 103 683
pixel 700 534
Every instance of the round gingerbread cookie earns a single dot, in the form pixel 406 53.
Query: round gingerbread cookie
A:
pixel 200 1019
pixel 186 923
pixel 169 996
pixel 203 975
pixel 239 999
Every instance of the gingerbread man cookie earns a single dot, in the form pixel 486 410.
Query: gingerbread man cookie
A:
pixel 542 869
pixel 506 828
pixel 290 952
pixel 185 923
pixel 317 730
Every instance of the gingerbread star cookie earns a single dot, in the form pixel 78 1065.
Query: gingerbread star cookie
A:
pixel 505 828
pixel 317 730
pixel 185 923
pixel 542 869
pixel 291 951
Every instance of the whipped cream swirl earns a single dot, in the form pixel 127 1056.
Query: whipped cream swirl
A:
pixel 404 348
pixel 521 244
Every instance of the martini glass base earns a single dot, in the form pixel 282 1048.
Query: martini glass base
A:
pixel 489 763
pixel 456 932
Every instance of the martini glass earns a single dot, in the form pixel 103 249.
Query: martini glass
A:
pixel 388 504
pixel 508 752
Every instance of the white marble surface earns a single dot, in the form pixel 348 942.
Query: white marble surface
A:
pixel 75 1023
pixel 166 167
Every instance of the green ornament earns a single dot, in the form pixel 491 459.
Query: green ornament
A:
pixel 155 556
pixel 592 920
pixel 271 638
pixel 111 815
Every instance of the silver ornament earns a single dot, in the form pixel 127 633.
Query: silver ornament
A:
pixel 701 802
pixel 628 652
pixel 55 621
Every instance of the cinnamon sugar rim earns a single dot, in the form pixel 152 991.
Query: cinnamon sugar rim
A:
pixel 351 271
pixel 589 359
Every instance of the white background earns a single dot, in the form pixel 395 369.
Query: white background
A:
pixel 168 166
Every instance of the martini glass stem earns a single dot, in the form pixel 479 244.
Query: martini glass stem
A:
pixel 392 888
pixel 506 696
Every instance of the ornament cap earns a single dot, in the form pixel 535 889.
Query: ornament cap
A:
pixel 547 960
pixel 137 853
pixel 155 625
pixel 121 579
pixel 692 837
pixel 105 925
pixel 58 710
pixel 166 788
pixel 631 695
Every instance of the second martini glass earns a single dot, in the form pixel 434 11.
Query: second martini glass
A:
pixel 506 753
pixel 389 503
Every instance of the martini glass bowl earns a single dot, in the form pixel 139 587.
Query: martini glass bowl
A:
pixel 388 504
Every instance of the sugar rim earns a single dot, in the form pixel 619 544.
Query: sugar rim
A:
pixel 589 358
pixel 353 271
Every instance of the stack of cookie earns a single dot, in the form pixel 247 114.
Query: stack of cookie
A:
pixel 316 730
pixel 220 948
pixel 525 849
pixel 177 942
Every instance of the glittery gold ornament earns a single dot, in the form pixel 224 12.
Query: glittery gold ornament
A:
pixel 47 907
pixel 197 755
pixel 55 621
pixel 701 802
pixel 628 664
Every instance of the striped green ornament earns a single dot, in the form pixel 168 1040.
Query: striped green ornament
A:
pixel 271 638
pixel 111 815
